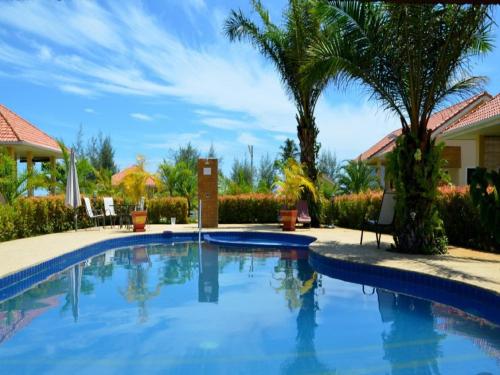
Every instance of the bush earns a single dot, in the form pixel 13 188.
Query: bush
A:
pixel 462 220
pixel 249 208
pixel 42 215
pixel 167 207
pixel 460 216
pixel 350 210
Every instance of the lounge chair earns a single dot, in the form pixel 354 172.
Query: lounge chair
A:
pixel 93 216
pixel 385 219
pixel 303 216
pixel 109 210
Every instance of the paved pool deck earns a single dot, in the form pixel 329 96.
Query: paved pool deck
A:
pixel 468 266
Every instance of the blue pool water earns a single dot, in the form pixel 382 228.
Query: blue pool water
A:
pixel 178 309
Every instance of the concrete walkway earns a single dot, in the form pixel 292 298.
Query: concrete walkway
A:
pixel 473 267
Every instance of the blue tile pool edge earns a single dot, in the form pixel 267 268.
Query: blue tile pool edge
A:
pixel 469 298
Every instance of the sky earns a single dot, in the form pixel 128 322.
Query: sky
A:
pixel 155 75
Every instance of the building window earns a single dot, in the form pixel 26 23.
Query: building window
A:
pixel 470 172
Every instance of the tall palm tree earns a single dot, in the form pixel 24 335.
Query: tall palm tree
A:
pixel 287 47
pixel 411 58
pixel 357 177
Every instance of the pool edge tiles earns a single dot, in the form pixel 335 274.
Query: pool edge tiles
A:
pixel 472 299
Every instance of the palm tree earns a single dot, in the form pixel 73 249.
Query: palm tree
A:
pixel 357 177
pixel 411 58
pixel 287 48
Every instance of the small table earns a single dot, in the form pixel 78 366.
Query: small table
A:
pixel 123 212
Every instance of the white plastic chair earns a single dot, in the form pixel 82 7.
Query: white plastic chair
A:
pixel 109 210
pixel 90 212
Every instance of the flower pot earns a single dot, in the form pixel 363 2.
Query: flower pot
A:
pixel 139 220
pixel 288 218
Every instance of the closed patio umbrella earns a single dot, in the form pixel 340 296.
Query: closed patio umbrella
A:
pixel 72 189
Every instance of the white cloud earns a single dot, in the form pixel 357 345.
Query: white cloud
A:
pixel 90 49
pixel 89 110
pixel 141 117
pixel 73 89
pixel 224 123
pixel 250 139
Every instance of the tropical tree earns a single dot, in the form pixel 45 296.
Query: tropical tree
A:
pixel 293 183
pixel 189 155
pixel 13 184
pixel 287 46
pixel 357 177
pixel 411 58
pixel 100 153
pixel 134 184
pixel 179 180
pixel 267 174
pixel 328 165
pixel 288 150
pixel 185 183
pixel 241 177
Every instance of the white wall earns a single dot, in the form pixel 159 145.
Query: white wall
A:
pixel 468 160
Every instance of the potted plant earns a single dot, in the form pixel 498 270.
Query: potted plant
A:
pixel 134 185
pixel 290 188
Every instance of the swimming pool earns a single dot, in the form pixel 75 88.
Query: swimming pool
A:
pixel 175 307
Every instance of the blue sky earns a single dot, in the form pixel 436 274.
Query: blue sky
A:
pixel 155 75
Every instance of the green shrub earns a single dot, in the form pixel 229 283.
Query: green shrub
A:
pixel 249 208
pixel 460 216
pixel 350 210
pixel 167 207
pixel 462 219
pixel 42 215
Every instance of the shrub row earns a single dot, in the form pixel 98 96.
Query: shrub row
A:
pixel 42 215
pixel 461 218
pixel 248 208
pixel 160 210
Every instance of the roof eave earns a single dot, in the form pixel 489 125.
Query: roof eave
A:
pixel 470 128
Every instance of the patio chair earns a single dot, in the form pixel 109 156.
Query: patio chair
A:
pixel 109 210
pixel 303 216
pixel 90 213
pixel 385 219
pixel 140 205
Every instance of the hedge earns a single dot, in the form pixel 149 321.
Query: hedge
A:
pixel 460 216
pixel 42 215
pixel 248 208
pixel 161 209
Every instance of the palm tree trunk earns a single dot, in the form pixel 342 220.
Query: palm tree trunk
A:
pixel 416 165
pixel 307 134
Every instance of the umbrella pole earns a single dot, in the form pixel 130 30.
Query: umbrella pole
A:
pixel 76 219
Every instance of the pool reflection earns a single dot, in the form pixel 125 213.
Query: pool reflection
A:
pixel 144 278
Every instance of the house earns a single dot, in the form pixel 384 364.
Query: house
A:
pixel 26 143
pixel 470 131
pixel 118 178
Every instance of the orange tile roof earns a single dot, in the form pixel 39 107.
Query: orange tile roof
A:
pixel 437 120
pixel 117 178
pixel 485 111
pixel 14 128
